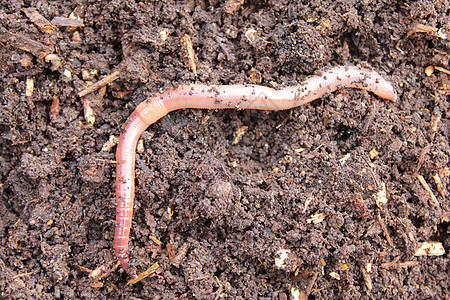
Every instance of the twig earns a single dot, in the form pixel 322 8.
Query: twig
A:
pixel 442 70
pixel 390 264
pixel 219 290
pixel 108 78
pixel 311 284
pixel 144 274
pixel 421 157
pixel 367 279
pixel 386 233
pixel 425 185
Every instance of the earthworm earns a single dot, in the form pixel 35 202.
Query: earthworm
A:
pixel 220 97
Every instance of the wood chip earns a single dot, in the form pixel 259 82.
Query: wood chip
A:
pixel 408 264
pixel 170 252
pixel 155 240
pixel 140 146
pixel 444 172
pixel 429 70
pixel 256 76
pixel 335 275
pixel 29 87
pixel 251 35
pixel 430 249
pixel 367 279
pixel 373 153
pixel 26 60
pixel 98 271
pixel 231 6
pixel 343 159
pixel 380 197
pixel 144 274
pixel 187 42
pixel 425 185
pixel 440 187
pixel 67 22
pixel 283 254
pixel 96 284
pixel 68 74
pixel 238 134
pixel 164 34
pixel 76 37
pixel 322 265
pixel 54 110
pixel 42 23
pixel 421 28
pixel 121 94
pixel 88 112
pixel 295 293
pixel 317 218
pixel 205 119
pixel 299 150
pixel 54 60
pixel 113 140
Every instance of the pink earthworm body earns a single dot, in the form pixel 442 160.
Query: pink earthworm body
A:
pixel 220 97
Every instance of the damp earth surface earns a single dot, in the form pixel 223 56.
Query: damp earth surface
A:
pixel 335 199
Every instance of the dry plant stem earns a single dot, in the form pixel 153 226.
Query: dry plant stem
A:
pixel 107 79
pixel 220 97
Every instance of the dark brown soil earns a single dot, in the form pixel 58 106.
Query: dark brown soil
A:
pixel 226 210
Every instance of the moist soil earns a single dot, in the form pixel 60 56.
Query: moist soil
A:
pixel 329 200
